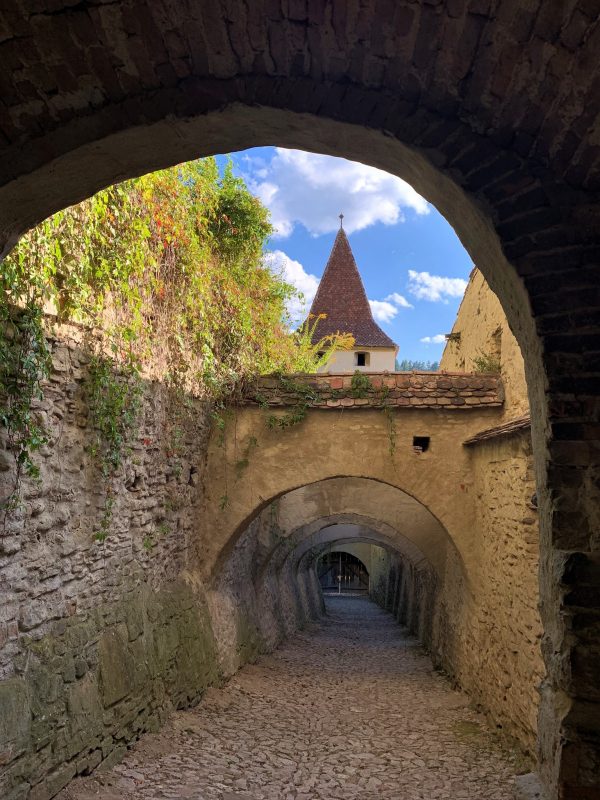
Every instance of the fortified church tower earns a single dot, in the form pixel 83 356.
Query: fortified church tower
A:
pixel 341 297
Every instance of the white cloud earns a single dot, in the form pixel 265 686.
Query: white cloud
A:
pixel 398 300
pixel 293 272
pixel 382 310
pixel 439 338
pixel 434 287
pixel 385 310
pixel 311 190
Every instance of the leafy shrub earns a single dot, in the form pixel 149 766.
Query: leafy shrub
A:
pixel 486 362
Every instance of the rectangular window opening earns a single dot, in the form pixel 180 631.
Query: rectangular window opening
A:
pixel 362 359
pixel 421 444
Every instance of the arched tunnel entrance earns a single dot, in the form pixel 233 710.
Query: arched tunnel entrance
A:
pixel 491 131
pixel 340 568
pixel 348 678
pixel 265 586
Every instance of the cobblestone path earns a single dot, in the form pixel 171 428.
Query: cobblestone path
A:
pixel 349 708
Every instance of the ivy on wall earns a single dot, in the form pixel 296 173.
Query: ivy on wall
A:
pixel 24 363
pixel 169 269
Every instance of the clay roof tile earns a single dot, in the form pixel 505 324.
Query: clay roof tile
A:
pixel 341 296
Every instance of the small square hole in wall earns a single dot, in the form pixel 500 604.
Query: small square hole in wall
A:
pixel 421 444
pixel 362 359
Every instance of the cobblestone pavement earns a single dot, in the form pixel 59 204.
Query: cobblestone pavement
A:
pixel 349 708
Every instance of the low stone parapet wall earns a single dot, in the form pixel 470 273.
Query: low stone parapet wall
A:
pixel 374 390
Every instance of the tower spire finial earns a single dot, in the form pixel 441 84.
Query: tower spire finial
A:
pixel 341 221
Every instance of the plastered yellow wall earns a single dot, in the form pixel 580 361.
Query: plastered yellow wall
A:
pixel 481 329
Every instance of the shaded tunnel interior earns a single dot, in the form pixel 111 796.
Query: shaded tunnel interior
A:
pixel 272 581
pixel 341 570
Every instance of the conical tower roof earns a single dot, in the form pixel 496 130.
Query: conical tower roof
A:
pixel 341 296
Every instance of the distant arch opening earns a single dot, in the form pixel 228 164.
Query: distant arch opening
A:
pixel 340 571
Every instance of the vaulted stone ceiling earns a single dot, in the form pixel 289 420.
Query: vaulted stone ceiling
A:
pixel 486 84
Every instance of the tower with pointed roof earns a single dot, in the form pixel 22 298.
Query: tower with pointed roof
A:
pixel 342 299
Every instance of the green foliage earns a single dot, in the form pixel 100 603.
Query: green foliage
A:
pixel 114 400
pixel 24 363
pixel 360 385
pixel 170 268
pixel 106 518
pixel 391 424
pixel 311 353
pixel 306 395
pixel 418 366
pixel 220 416
pixel 486 362
pixel 242 464
pixel 293 417
pixel 149 541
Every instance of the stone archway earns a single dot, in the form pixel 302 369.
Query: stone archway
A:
pixel 488 111
pixel 354 578
pixel 263 582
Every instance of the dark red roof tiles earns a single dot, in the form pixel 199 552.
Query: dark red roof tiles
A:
pixel 341 296
pixel 421 390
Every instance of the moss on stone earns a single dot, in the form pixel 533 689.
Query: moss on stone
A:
pixel 98 682
pixel 249 641
pixel 15 719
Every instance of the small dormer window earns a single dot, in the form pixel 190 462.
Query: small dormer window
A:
pixel 362 359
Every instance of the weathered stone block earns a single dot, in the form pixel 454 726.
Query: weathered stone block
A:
pixel 114 756
pixel 134 618
pixel 51 785
pixel 15 719
pixel 84 706
pixel 117 670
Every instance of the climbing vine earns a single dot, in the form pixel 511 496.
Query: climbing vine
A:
pixel 306 395
pixel 24 363
pixel 360 385
pixel 114 401
pixel 168 270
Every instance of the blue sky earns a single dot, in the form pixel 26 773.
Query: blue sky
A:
pixel 412 264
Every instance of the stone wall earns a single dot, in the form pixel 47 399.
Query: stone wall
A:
pixel 481 627
pixel 486 633
pixel 504 488
pixel 412 594
pixel 264 592
pixel 98 640
pixel 481 329
pixel 508 584
pixel 485 630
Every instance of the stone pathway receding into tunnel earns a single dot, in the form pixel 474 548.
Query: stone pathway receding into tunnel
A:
pixel 348 708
